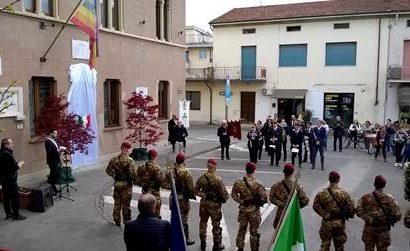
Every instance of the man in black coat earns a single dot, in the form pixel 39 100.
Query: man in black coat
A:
pixel 224 139
pixel 53 158
pixel 338 131
pixel 172 125
pixel 8 180
pixel 147 232
pixel 296 141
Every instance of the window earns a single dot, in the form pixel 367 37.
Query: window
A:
pixel 163 19
pixel 195 98
pixel 115 15
pixel 339 104
pixel 40 89
pixel 293 28
pixel 29 5
pixel 408 23
pixel 163 89
pixel 341 26
pixel 341 53
pixel 202 54
pixel 249 31
pixel 187 56
pixel 104 13
pixel 112 90
pixel 47 7
pixel 167 20
pixel 293 55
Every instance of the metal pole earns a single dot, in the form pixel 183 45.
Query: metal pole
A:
pixel 43 58
pixel 226 112
pixel 10 4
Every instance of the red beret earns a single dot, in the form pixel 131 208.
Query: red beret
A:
pixel 379 181
pixel 250 167
pixel 334 175
pixel 288 169
pixel 180 158
pixel 126 145
pixel 152 153
pixel 212 161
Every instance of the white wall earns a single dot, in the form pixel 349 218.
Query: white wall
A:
pixel 359 79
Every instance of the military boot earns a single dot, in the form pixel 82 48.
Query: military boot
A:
pixel 218 246
pixel 203 245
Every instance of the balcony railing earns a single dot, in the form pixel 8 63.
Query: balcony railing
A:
pixel 198 39
pixel 398 72
pixel 222 73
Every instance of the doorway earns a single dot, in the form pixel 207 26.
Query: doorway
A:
pixel 248 107
pixel 289 107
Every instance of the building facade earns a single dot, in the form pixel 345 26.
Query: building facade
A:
pixel 330 57
pixel 141 44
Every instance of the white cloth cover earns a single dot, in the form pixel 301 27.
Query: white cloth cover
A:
pixel 82 101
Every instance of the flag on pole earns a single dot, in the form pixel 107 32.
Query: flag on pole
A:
pixel 290 236
pixel 177 231
pixel 85 18
pixel 228 93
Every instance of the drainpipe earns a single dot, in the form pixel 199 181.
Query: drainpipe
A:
pixel 207 83
pixel 387 75
pixel 378 64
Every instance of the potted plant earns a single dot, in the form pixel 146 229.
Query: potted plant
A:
pixel 142 121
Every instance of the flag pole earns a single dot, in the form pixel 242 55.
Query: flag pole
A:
pixel 43 58
pixel 9 5
pixel 281 219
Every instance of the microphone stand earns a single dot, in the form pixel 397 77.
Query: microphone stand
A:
pixel 60 195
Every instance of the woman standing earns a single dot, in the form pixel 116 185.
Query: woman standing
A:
pixel 260 129
pixel 353 129
pixel 380 142
pixel 253 143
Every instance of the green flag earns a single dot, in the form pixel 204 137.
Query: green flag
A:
pixel 290 236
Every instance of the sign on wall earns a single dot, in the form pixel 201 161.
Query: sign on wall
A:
pixel 184 112
pixel 16 109
pixel 80 49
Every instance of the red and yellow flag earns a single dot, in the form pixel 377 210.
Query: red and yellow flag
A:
pixel 85 18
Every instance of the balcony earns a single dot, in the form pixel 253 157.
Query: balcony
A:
pixel 398 72
pixel 256 74
pixel 198 39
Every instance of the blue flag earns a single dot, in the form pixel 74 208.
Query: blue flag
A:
pixel 177 231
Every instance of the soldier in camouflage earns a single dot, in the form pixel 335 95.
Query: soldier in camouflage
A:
pixel 380 211
pixel 335 206
pixel 184 185
pixel 407 181
pixel 280 192
pixel 121 169
pixel 250 194
pixel 407 219
pixel 212 191
pixel 150 178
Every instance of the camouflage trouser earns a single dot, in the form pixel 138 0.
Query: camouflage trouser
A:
pixel 334 229
pixel 122 200
pixel 159 202
pixel 376 237
pixel 208 209
pixel 184 208
pixel 253 218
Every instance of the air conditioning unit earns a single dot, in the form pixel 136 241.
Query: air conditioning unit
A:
pixel 267 92
pixel 395 72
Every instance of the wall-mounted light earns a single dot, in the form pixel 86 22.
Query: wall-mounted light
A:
pixel 142 22
pixel 43 25
pixel 180 32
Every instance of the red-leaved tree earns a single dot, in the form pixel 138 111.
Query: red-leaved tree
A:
pixel 72 133
pixel 142 120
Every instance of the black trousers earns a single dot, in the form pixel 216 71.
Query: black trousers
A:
pixel 335 138
pixel 275 153
pixel 383 148
pixel 10 197
pixel 305 152
pixel 398 149
pixel 311 152
pixel 284 146
pixel 260 150
pixel 224 148
pixel 321 150
pixel 353 136
pixel 253 154
pixel 52 177
pixel 299 154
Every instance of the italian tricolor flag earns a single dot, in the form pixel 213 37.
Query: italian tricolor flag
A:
pixel 290 235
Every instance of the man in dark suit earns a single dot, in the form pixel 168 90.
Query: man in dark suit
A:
pixel 338 131
pixel 53 158
pixel 296 141
pixel 147 232
pixel 172 125
pixel 8 180
pixel 319 136
pixel 224 139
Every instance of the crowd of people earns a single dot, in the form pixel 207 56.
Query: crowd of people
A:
pixel 304 139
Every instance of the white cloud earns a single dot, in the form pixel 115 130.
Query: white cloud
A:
pixel 201 12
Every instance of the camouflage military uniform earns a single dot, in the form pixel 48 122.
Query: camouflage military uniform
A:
pixel 376 230
pixel 213 193
pixel 121 169
pixel 249 212
pixel 151 179
pixel 279 194
pixel 407 181
pixel 407 219
pixel 185 189
pixel 333 224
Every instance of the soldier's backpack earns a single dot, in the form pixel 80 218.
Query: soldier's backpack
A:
pixel 407 181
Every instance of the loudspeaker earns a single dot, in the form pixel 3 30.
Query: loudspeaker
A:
pixel 42 198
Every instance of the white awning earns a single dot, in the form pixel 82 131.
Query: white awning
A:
pixel 289 93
